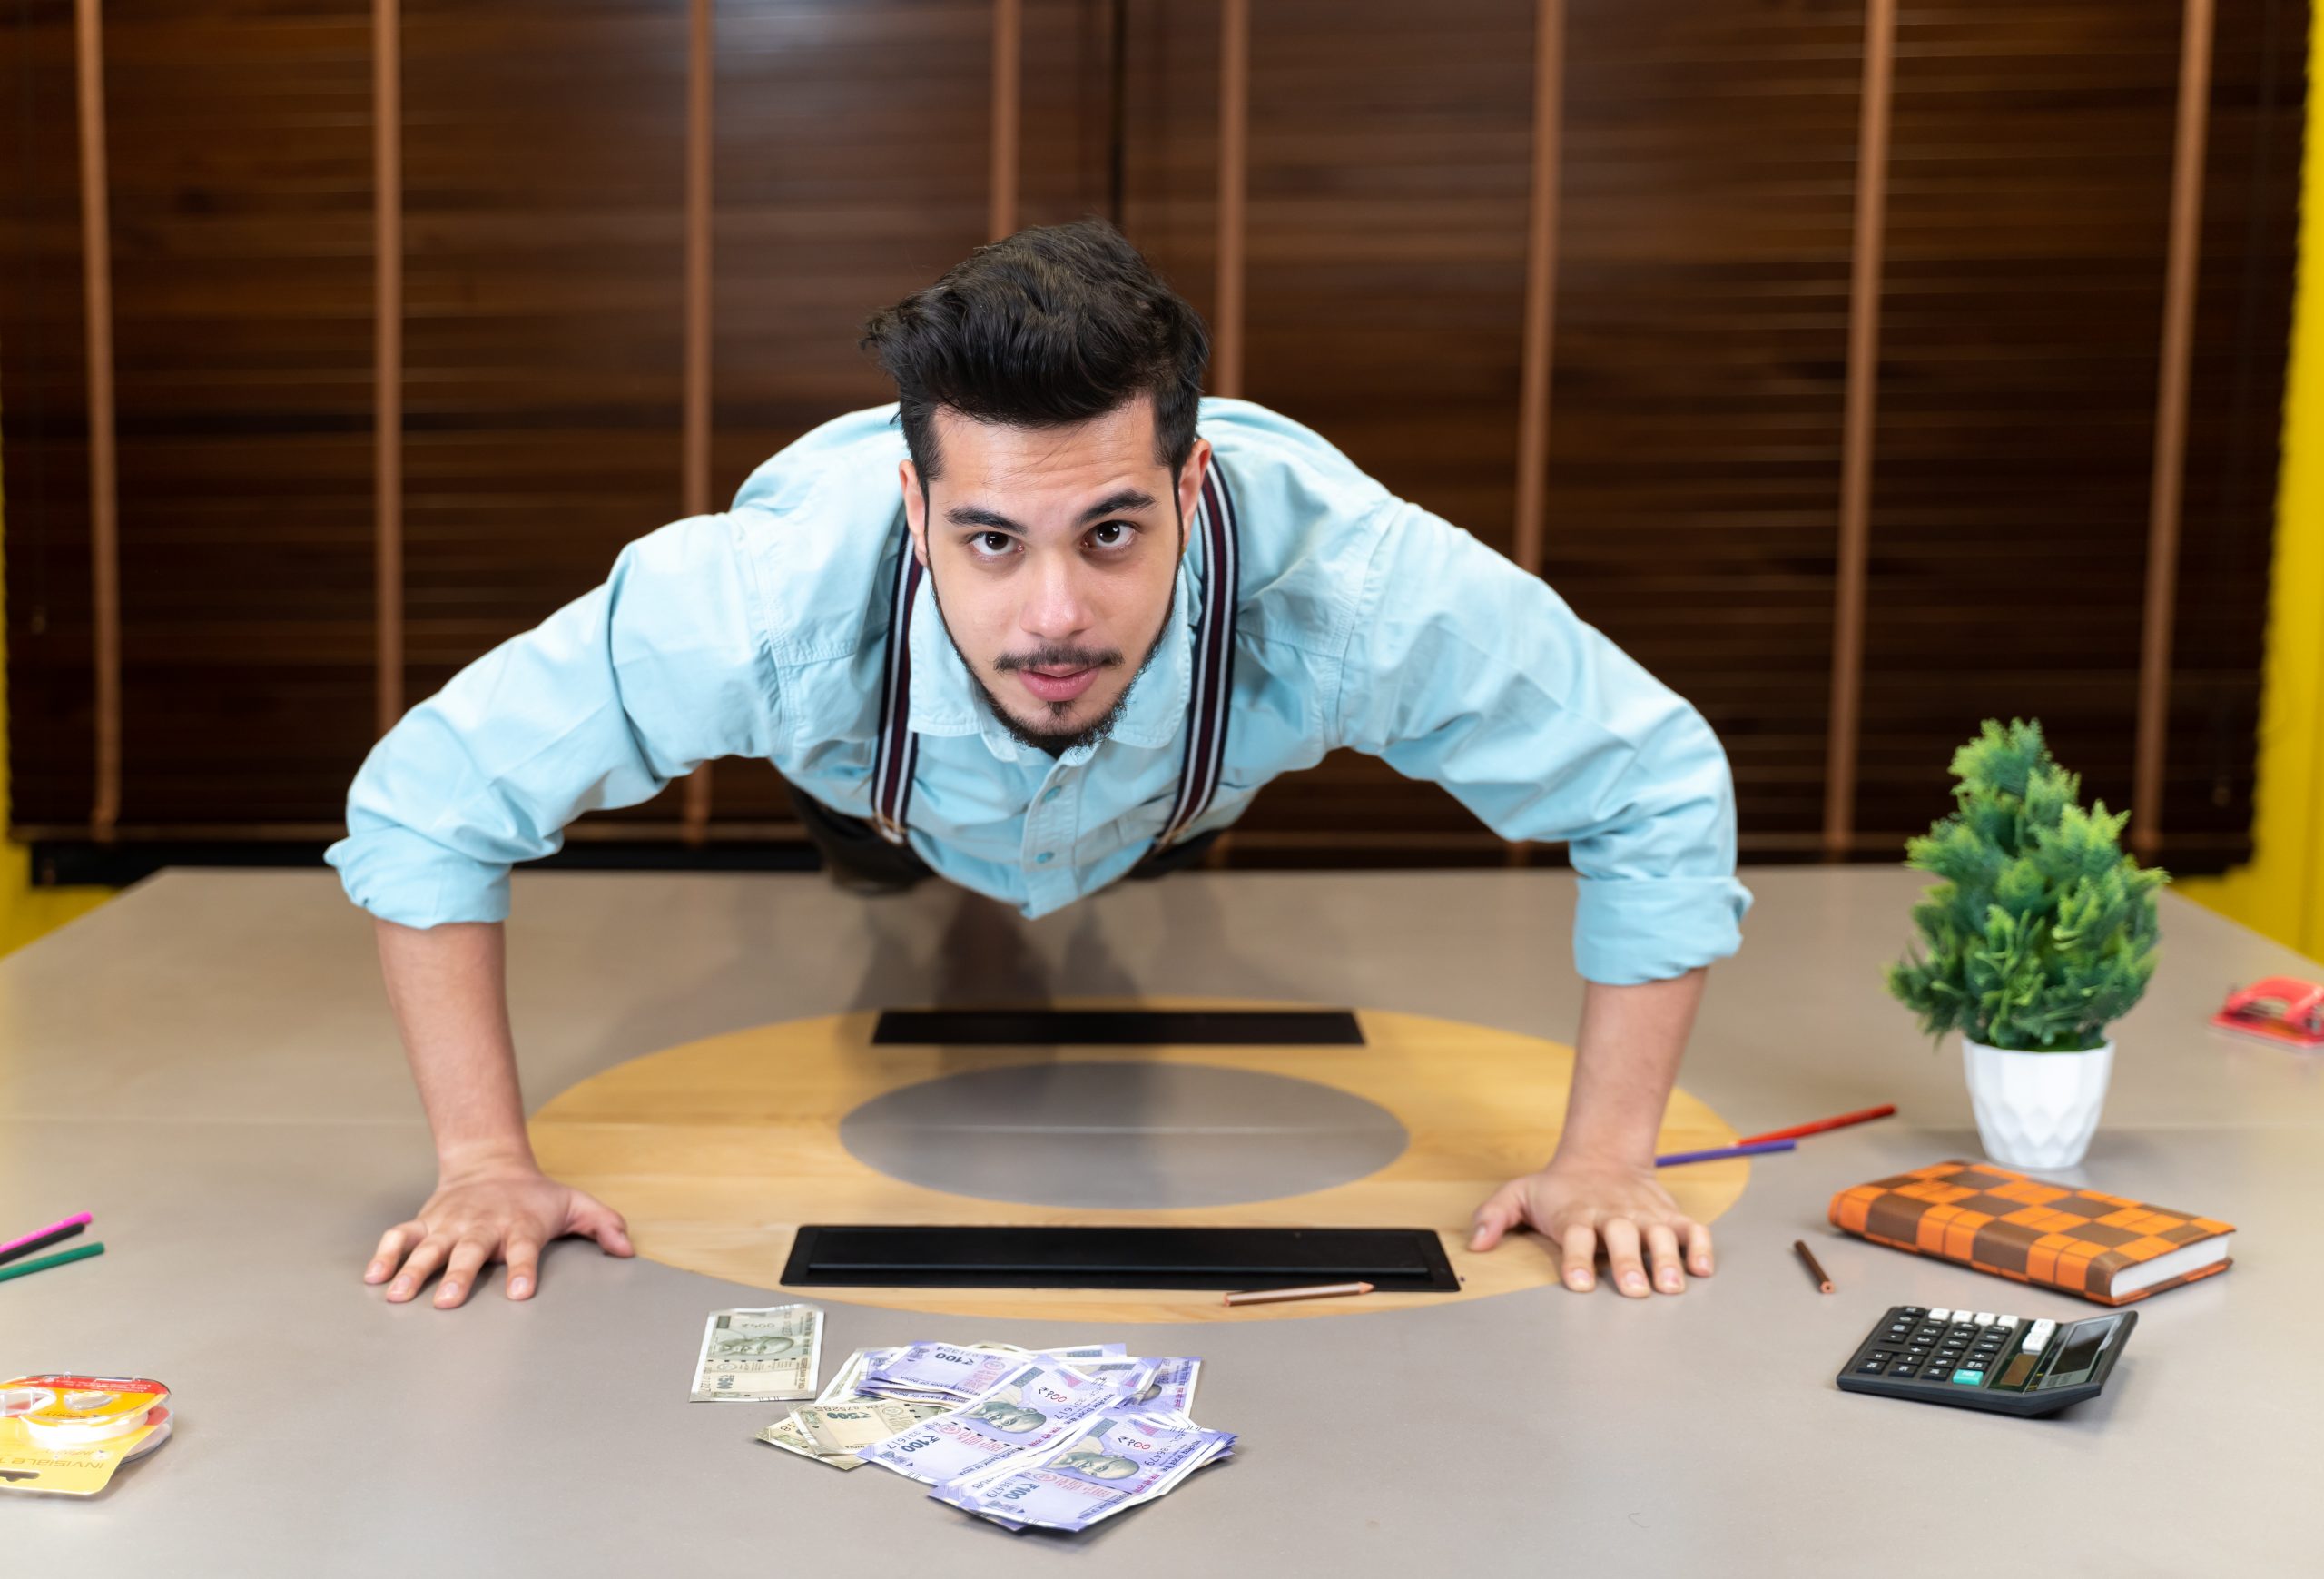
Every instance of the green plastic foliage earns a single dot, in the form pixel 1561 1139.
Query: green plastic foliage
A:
pixel 2043 932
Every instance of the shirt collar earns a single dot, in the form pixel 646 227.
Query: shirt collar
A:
pixel 945 699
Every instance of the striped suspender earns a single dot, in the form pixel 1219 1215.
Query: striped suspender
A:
pixel 897 751
pixel 1213 682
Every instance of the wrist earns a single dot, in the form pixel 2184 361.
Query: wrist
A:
pixel 1597 1156
pixel 500 1155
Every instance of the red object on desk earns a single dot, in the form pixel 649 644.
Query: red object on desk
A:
pixel 1818 1125
pixel 2280 1009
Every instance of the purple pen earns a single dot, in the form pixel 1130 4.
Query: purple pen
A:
pixel 1755 1148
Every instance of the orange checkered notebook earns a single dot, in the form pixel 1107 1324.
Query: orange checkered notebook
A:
pixel 2100 1247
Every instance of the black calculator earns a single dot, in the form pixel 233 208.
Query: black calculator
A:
pixel 1978 1360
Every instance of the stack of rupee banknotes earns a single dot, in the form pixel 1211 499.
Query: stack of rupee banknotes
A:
pixel 1056 1438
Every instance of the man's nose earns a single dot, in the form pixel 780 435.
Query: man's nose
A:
pixel 1055 609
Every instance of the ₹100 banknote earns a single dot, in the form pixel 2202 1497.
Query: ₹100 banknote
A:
pixel 1107 1466
pixel 1024 1412
pixel 758 1357
pixel 1056 1438
pixel 944 1372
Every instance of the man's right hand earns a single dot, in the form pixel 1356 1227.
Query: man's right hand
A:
pixel 503 1211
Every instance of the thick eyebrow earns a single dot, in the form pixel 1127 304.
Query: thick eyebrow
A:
pixel 1128 498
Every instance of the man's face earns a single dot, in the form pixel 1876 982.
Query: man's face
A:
pixel 1053 551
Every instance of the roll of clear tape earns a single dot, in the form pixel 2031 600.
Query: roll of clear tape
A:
pixel 85 1434
pixel 64 1412
pixel 158 1416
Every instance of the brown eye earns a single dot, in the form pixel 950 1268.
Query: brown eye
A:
pixel 993 543
pixel 1112 534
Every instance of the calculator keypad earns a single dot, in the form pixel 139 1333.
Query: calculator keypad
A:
pixel 1954 1348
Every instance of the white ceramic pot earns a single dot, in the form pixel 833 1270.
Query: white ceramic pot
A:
pixel 2036 1110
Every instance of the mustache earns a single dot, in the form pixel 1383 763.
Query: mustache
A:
pixel 1059 658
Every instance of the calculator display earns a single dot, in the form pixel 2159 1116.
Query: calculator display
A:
pixel 2080 1351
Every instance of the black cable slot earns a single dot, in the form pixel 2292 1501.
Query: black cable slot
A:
pixel 1117 1028
pixel 1395 1260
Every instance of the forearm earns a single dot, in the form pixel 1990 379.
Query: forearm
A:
pixel 448 988
pixel 1626 1059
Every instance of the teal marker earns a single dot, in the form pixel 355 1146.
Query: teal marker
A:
pixel 44 1262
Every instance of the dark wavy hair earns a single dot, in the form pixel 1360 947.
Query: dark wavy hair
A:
pixel 1053 326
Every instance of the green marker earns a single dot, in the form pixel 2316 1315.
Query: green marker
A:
pixel 44 1262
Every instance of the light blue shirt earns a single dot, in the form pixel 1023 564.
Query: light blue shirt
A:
pixel 1363 621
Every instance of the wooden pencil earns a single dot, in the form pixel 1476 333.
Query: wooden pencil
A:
pixel 1314 1291
pixel 1822 1281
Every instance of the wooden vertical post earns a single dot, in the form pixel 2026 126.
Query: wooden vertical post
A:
pixel 1541 283
pixel 2171 426
pixel 696 443
pixel 104 542
pixel 1535 347
pixel 1858 437
pixel 1008 59
pixel 386 359
pixel 1234 165
pixel 1234 173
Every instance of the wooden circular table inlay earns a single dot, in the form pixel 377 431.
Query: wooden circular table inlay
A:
pixel 717 1149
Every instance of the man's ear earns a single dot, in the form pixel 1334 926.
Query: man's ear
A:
pixel 1190 479
pixel 915 509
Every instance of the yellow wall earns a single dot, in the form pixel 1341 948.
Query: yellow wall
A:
pixel 2282 891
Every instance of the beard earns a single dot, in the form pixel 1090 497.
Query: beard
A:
pixel 1056 741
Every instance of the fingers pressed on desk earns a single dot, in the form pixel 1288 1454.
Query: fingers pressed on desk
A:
pixel 459 1274
pixel 524 1267
pixel 1696 1237
pixel 1622 1260
pixel 1663 1256
pixel 1580 1248
pixel 422 1265
pixel 603 1224
pixel 1501 1211
pixel 391 1251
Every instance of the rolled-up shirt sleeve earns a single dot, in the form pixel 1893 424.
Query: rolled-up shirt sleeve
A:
pixel 1464 669
pixel 633 684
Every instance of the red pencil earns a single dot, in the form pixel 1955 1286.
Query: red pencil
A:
pixel 1820 1125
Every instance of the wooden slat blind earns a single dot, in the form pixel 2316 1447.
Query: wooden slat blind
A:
pixel 1860 365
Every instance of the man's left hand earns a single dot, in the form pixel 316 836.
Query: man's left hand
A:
pixel 1582 1205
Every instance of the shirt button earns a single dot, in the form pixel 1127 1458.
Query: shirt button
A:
pixel 1051 793
pixel 1045 857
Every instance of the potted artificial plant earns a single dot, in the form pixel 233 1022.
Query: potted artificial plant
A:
pixel 2040 936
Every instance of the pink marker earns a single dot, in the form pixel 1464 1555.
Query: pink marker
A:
pixel 45 1238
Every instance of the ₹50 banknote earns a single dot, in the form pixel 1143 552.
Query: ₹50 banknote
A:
pixel 757 1356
